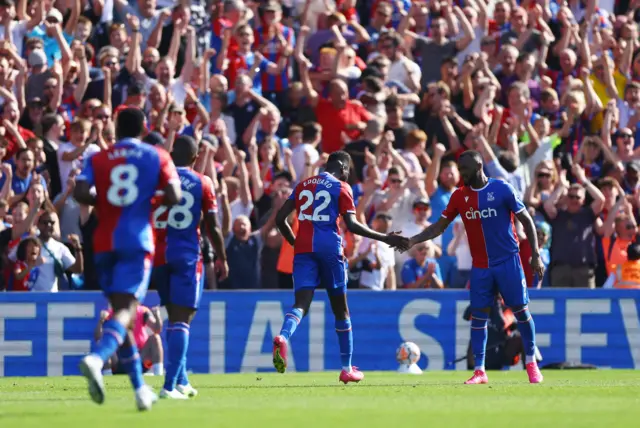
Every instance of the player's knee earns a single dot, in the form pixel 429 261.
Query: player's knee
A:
pixel 181 314
pixel 484 312
pixel 480 315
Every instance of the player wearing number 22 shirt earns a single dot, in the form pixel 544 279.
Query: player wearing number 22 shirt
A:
pixel 121 183
pixel 488 207
pixel 318 202
pixel 178 270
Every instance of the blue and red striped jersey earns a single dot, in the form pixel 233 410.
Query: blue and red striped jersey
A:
pixel 320 201
pixel 272 51
pixel 487 215
pixel 178 228
pixel 126 178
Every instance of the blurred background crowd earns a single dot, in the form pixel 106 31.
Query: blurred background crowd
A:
pixel 548 91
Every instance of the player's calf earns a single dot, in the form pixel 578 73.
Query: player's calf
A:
pixel 527 330
pixel 178 333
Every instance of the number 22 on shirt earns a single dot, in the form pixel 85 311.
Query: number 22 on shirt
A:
pixel 306 197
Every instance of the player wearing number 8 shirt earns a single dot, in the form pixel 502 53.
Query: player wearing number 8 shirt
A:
pixel 126 177
pixel 178 271
pixel 318 256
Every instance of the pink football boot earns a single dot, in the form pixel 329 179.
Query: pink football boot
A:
pixel 479 377
pixel 354 375
pixel 280 354
pixel 534 373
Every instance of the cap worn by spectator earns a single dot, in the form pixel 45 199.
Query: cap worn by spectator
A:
pixel 383 215
pixel 37 58
pixel 422 202
pixel 212 140
pixel 34 101
pixel 633 166
pixel 176 108
pixel 54 15
pixel 272 6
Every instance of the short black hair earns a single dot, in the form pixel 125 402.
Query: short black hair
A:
pixel 21 151
pixel 633 252
pixel 508 161
pixel 48 121
pixel 310 131
pixel 476 156
pixel 339 157
pixel 185 150
pixel 130 123
pixel 286 175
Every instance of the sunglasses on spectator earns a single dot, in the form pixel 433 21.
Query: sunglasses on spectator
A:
pixel 111 63
pixel 575 196
pixel 395 181
pixel 625 135
pixel 544 175
pixel 421 209
pixel 421 249
pixel 48 222
pixel 630 226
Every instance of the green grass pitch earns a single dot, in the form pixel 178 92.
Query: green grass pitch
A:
pixel 603 398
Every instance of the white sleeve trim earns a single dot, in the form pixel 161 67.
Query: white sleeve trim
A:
pixel 524 208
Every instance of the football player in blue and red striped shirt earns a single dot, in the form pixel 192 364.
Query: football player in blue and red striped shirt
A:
pixel 179 273
pixel 487 207
pixel 319 260
pixel 121 183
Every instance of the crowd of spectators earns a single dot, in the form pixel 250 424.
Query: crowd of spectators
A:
pixel 548 91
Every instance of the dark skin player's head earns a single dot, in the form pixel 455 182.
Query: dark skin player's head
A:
pixel 470 166
pixel 185 151
pixel 339 165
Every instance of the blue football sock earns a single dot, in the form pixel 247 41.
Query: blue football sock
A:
pixel 129 359
pixel 113 335
pixel 183 379
pixel 291 321
pixel 345 339
pixel 527 330
pixel 178 344
pixel 479 333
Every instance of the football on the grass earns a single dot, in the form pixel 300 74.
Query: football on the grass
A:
pixel 408 353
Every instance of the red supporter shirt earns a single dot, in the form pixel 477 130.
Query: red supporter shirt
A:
pixel 334 122
pixel 12 144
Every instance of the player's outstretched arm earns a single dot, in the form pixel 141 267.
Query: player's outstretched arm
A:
pixel 281 221
pixel 82 193
pixel 392 239
pixel 432 231
pixel 215 234
pixel 530 230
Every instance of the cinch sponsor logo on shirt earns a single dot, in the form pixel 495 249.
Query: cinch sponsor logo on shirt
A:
pixel 485 213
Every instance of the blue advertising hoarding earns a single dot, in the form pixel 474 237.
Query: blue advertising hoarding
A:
pixel 46 334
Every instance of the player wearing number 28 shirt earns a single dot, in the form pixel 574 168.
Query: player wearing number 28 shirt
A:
pixel 318 202
pixel 488 207
pixel 179 277
pixel 121 183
